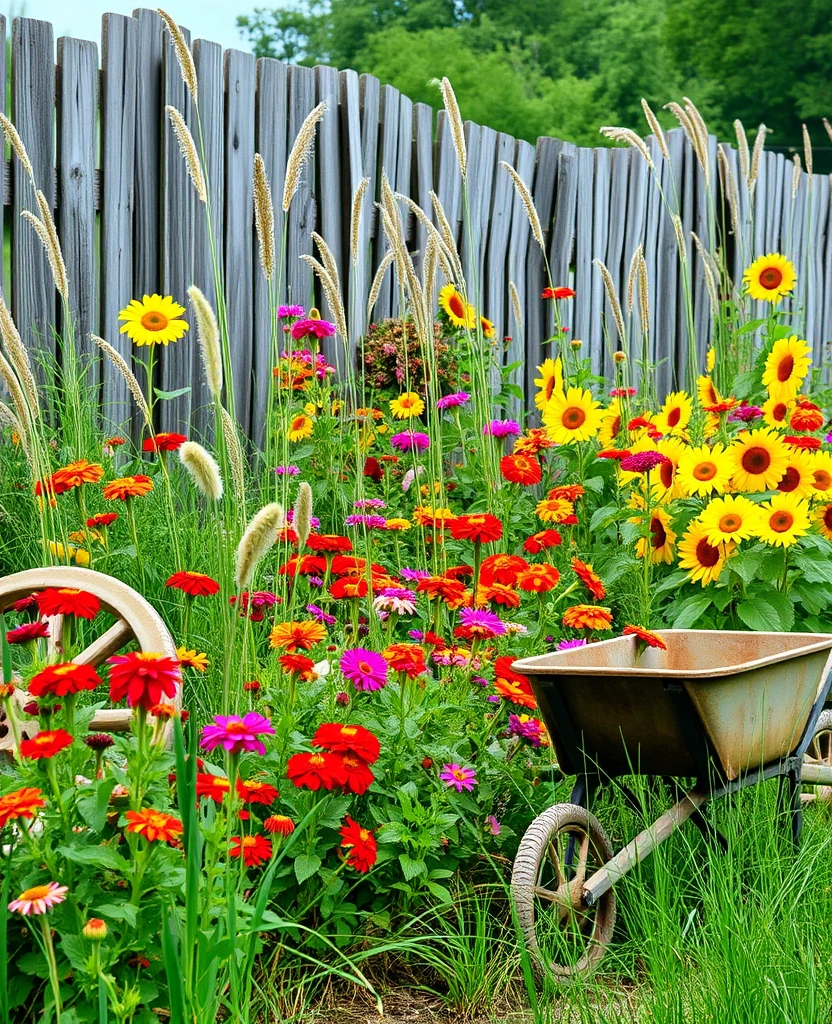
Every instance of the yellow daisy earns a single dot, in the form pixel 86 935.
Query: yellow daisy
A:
pixel 575 416
pixel 776 412
pixel 821 475
pixel 610 424
pixel 769 278
pixel 662 538
pixel 786 367
pixel 798 476
pixel 458 311
pixel 707 392
pixel 823 517
pixel 153 321
pixel 730 518
pixel 760 459
pixel 674 415
pixel 703 560
pixel 301 427
pixel 549 381
pixel 192 659
pixel 703 471
pixel 398 524
pixel 407 405
pixel 783 520
pixel 487 327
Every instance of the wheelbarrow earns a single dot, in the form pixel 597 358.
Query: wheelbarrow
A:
pixel 727 709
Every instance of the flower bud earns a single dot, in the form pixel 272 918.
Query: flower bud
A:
pixel 95 930
pixel 620 357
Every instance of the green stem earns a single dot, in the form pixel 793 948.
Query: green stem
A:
pixel 53 966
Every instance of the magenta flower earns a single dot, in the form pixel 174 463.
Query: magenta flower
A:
pixel 502 428
pixel 370 503
pixel 320 614
pixel 287 470
pixel 371 522
pixel 413 574
pixel 28 631
pixel 568 645
pixel 314 328
pixel 643 462
pixel 365 669
pixel 410 440
pixel 451 401
pixel 288 311
pixel 235 734
pixel 493 825
pixel 398 600
pixel 529 729
pixel 314 522
pixel 459 778
pixel 478 622
pixel 745 414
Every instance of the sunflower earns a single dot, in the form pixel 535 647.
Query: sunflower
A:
pixel 730 518
pixel 407 405
pixel 643 444
pixel 703 471
pixel 823 517
pixel 487 327
pixel 610 425
pixel 821 475
pixel 786 367
pixel 760 459
pixel 458 311
pixel 665 485
pixel 783 520
pixel 769 278
pixel 674 415
pixel 301 427
pixel 574 416
pixel 798 477
pixel 662 538
pixel 549 381
pixel 153 321
pixel 776 412
pixel 704 561
pixel 710 360
pixel 707 392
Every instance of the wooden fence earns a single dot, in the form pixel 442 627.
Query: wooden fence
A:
pixel 104 154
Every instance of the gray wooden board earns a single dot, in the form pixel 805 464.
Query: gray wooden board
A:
pixel 356 276
pixel 563 236
pixel 330 208
pixel 577 312
pixel 640 184
pixel 620 160
pixel 499 233
pixel 387 303
pixel 422 173
pixel 536 320
pixel 404 163
pixel 369 91
pixel 5 170
pixel 303 211
pixel 448 179
pixel 594 338
pixel 670 318
pixel 521 241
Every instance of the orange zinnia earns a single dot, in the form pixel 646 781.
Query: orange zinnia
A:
pixel 349 586
pixel 533 441
pixel 590 579
pixel 651 639
pixel 539 579
pixel 512 685
pixel 521 469
pixel 127 487
pixel 154 825
pixel 498 594
pixel 296 636
pixel 502 569
pixel 587 616
pixel 76 474
pixel 452 592
pixel 21 804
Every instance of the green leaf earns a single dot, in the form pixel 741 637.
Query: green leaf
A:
pixel 410 867
pixel 690 610
pixel 76 950
pixel 98 856
pixel 784 606
pixel 306 865
pixel 815 570
pixel 93 803
pixel 118 912
pixel 171 394
pixel 334 813
pixel 602 517
pixel 760 615
pixel 746 565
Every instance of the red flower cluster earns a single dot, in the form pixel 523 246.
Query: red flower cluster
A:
pixel 194 584
pixel 349 750
pixel 144 678
pixel 480 528
pixel 164 443
pixel 512 685
pixel 361 844
pixel 64 680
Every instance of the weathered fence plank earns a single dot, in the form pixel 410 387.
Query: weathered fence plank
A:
pixel 302 212
pixel 330 225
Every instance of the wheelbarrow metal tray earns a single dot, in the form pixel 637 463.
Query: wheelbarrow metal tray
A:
pixel 753 693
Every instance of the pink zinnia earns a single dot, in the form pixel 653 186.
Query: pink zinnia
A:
pixel 502 428
pixel 371 522
pixel 236 734
pixel 317 328
pixel 286 311
pixel 568 645
pixel 451 401
pixel 28 631
pixel 365 669
pixel 458 778
pixel 745 413
pixel 287 470
pixel 478 622
pixel 643 462
pixel 39 899
pixel 410 440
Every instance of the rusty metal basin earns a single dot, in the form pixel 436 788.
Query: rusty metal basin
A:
pixel 753 692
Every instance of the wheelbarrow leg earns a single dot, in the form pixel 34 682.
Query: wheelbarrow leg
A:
pixel 790 802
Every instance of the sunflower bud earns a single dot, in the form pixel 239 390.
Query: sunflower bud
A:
pixel 620 357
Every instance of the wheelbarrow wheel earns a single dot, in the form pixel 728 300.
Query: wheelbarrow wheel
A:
pixel 820 752
pixel 558 852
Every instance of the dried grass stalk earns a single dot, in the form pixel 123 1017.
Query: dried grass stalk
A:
pixel 202 468
pixel 655 128
pixel 54 244
pixel 807 150
pixel 629 136
pixel 612 296
pixel 678 227
pixel 515 303
pixel 378 280
pixel 455 123
pixel 742 149
pixel 188 150
pixel 327 258
pixel 8 418
pixel 526 200
pixel 756 153
pixel 235 452
pixel 698 121
pixel 430 227
pixel 828 127
pixel 333 295
pixel 16 143
pixel 797 170
pixel 208 335
pixel 49 239
pixel 693 135
pixel 19 357
pixel 355 217
pixel 447 236
pixel 258 539
pixel 643 295
pixel 299 154
pixel 9 378
pixel 729 188
pixel 183 54
pixel 632 275
pixel 264 216
pixel 302 514
pixel 711 272
pixel 133 385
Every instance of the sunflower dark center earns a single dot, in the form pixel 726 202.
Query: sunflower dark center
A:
pixel 791 479
pixel 674 416
pixel 706 554
pixel 822 480
pixel 456 306
pixel 771 277
pixel 756 460
pixel 574 417
pixel 785 368
pixel 153 320
pixel 730 522
pixel 666 473
pixel 705 471
pixel 827 517
pixel 658 534
pixel 782 521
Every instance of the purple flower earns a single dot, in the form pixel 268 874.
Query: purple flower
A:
pixel 370 503
pixel 643 462
pixel 314 581
pixel 451 401
pixel 371 522
pixel 478 622
pixel 502 428
pixel 287 470
pixel 316 328
pixel 416 634
pixel 261 599
pixel 567 645
pixel 396 599
pixel 745 413
pixel 828 438
pixel 342 698
pixel 286 311
pixel 413 574
pixel 493 825
pixel 314 522
pixel 365 669
pixel 458 778
pixel 235 734
pixel 527 728
pixel 410 440
pixel 320 614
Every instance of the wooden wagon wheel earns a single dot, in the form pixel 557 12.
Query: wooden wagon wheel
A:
pixel 820 752
pixel 135 621
pixel 558 851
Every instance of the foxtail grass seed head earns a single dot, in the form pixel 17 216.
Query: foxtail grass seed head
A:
pixel 183 54
pixel 300 153
pixel 454 121
pixel 235 452
pixel 655 128
pixel 629 136
pixel 807 151
pixel 258 539
pixel 9 378
pixel 690 130
pixel 187 147
pixel 447 236
pixel 515 303
pixel 526 199
pixel 378 280
pixel 710 269
pixel 208 335
pixel 681 244
pixel 756 153
pixel 333 295
pixel 202 468
pixel 797 170
pixel 632 277
pixel 355 218
pixel 302 517
pixel 828 128
pixel 612 296
pixel 643 295
pixel 729 188
pixel 45 230
pixel 8 418
pixel 133 385
pixel 18 357
pixel 16 143
pixel 327 258
pixel 742 149
pixel 264 216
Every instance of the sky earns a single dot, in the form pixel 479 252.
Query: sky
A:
pixel 206 19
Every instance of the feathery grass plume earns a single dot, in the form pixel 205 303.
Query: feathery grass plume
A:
pixel 327 258
pixel 711 272
pixel 188 149
pixel 9 378
pixel 632 276
pixel 18 357
pixel 515 303
pixel 692 134
pixel 208 335
pixel 333 295
pixel 729 188
pixel 430 266
pixel 429 226
pixel 258 539
pixel 797 170
pixel 299 154
pixel 828 127
pixel 807 150
pixel 678 227
pixel 302 517
pixel 643 294
pixel 655 127
pixel 8 418
pixel 202 468
pixel 756 153
pixel 16 143
pixel 264 216
pixel 235 452
pixel 697 120
pixel 53 255
pixel 612 296
pixel 57 257
pixel 742 149
pixel 355 217
pixel 183 54
pixel 629 136
pixel 454 121
pixel 133 385
pixel 448 239
pixel 526 200
pixel 378 280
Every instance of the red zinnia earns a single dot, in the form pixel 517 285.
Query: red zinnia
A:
pixel 328 542
pixel 512 685
pixel 28 631
pixel 349 586
pixel 373 469
pixel 280 824
pixel 297 664
pixel 315 770
pixel 557 293
pixel 194 584
pixel 347 739
pixel 256 850
pixel 357 776
pixel 64 680
pixel 810 444
pixel 144 678
pixel 68 601
pixel 521 469
pixel 164 443
pixel 479 528
pixel 212 787
pixel 539 579
pixel 45 744
pixel 363 851
pixel 21 804
pixel 253 791
pixel 590 579
pixel 103 519
pixel 651 639
pixel 502 569
pixel 540 541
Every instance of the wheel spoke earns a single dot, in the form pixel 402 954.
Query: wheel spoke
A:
pixel 56 627
pixel 107 644
pixel 580 873
pixel 554 857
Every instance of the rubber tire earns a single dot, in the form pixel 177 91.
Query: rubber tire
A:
pixel 524 876
pixel 823 794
